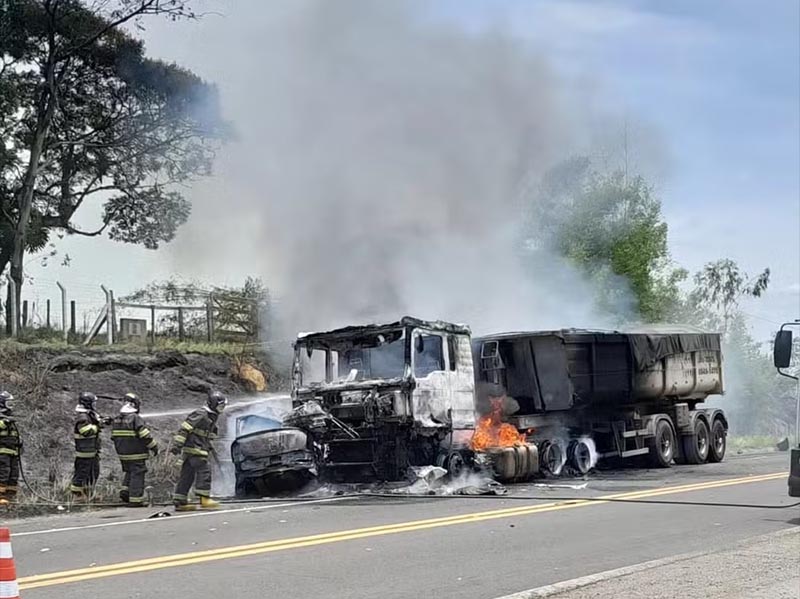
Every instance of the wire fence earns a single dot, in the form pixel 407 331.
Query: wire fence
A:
pixel 83 313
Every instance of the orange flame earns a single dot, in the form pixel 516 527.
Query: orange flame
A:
pixel 491 431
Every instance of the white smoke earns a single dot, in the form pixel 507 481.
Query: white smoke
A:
pixel 380 166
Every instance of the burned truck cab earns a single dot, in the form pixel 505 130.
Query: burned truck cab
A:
pixel 377 399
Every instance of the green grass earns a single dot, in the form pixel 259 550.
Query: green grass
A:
pixel 162 344
pixel 751 442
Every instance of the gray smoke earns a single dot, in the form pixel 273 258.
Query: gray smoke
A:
pixel 381 166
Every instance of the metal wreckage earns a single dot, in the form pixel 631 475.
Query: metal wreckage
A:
pixel 371 402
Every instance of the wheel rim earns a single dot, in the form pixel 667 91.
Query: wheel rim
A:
pixel 581 457
pixel 719 440
pixel 665 443
pixel 552 459
pixel 702 440
pixel 455 465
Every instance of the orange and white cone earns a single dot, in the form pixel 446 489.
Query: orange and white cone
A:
pixel 8 573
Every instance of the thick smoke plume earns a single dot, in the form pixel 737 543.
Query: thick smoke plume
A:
pixel 382 164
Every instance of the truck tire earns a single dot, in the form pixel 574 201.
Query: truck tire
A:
pixel 718 442
pixel 663 448
pixel 580 456
pixel 552 458
pixel 695 446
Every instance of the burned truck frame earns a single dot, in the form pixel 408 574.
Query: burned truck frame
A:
pixel 377 399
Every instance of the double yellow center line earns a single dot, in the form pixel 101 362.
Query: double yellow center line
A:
pixel 199 557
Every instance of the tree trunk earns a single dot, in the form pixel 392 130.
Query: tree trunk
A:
pixel 46 108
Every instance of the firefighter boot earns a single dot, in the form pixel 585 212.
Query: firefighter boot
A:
pixel 208 504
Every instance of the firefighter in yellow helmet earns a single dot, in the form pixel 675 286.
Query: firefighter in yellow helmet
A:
pixel 87 446
pixel 134 444
pixel 193 444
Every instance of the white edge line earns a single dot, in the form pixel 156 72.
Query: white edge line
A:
pixel 175 517
pixel 584 581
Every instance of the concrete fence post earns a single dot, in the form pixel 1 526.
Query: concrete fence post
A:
pixel 210 317
pixel 64 330
pixel 180 324
pixel 109 324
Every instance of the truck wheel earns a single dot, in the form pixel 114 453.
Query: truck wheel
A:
pixel 695 446
pixel 580 456
pixel 455 465
pixel 719 442
pixel 552 458
pixel 663 448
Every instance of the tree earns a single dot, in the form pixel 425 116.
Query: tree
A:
pixel 87 117
pixel 611 227
pixel 239 312
pixel 719 288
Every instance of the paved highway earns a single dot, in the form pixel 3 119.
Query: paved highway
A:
pixel 469 548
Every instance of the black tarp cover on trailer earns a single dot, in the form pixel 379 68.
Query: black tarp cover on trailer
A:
pixel 649 348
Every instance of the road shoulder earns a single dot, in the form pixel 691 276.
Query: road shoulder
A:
pixel 764 567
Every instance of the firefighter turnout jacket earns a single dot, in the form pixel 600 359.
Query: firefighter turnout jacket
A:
pixel 196 434
pixel 9 437
pixel 132 439
pixel 87 435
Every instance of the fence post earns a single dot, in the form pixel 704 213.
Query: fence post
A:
pixel 153 324
pixel 210 317
pixel 48 314
pixel 73 324
pixel 109 325
pixel 180 324
pixel 113 316
pixel 24 314
pixel 63 311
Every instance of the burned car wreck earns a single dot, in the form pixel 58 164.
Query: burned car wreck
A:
pixel 369 401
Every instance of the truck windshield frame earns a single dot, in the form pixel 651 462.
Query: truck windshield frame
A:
pixel 370 355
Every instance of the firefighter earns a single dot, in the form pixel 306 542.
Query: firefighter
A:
pixel 87 446
pixel 193 444
pixel 10 447
pixel 134 443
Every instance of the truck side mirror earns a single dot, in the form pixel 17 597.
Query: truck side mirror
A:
pixel 420 344
pixel 782 351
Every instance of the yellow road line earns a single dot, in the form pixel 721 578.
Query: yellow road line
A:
pixel 197 557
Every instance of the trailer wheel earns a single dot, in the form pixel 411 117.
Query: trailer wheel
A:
pixel 663 448
pixel 580 456
pixel 719 442
pixel 552 458
pixel 696 445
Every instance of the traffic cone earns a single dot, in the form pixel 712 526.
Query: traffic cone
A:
pixel 8 573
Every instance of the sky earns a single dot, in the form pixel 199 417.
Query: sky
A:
pixel 706 96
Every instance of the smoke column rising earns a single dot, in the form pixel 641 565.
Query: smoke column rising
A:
pixel 380 163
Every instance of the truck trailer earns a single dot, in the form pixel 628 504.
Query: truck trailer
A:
pixel 626 394
pixel 373 400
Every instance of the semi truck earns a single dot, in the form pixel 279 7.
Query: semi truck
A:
pixel 370 401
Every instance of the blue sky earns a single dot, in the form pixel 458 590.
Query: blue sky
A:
pixel 716 84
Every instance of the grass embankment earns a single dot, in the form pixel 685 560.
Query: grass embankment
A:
pixel 222 348
pixel 45 401
pixel 753 442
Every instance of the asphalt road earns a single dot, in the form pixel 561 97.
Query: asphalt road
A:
pixel 372 547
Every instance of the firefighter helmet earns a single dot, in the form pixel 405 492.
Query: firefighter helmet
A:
pixel 132 403
pixel 5 402
pixel 216 402
pixel 87 401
